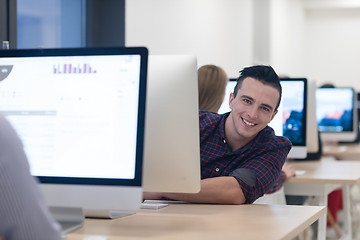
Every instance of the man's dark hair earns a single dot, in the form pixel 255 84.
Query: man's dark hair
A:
pixel 262 73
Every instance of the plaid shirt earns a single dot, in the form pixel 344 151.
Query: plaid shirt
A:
pixel 256 166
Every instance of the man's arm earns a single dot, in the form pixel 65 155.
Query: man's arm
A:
pixel 222 190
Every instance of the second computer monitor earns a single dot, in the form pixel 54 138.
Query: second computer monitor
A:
pixel 172 147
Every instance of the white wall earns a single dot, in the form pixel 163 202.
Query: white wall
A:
pixel 333 46
pixel 318 39
pixel 261 31
pixel 287 39
pixel 216 31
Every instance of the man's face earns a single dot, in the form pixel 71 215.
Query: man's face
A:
pixel 252 109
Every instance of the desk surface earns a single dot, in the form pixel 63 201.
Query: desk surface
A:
pixel 343 151
pixel 206 221
pixel 332 172
pixel 319 179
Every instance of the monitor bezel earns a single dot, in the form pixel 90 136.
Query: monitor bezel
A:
pixel 98 51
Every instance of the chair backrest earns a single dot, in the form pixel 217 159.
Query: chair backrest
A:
pixel 277 197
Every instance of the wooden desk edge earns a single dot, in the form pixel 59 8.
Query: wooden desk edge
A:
pixel 322 212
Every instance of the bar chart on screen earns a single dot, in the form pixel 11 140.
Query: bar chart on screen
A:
pixel 68 68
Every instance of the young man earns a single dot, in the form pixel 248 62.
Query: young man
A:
pixel 241 158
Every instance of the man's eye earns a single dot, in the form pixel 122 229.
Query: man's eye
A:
pixel 246 100
pixel 266 109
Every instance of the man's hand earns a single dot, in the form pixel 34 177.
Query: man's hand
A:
pixel 288 170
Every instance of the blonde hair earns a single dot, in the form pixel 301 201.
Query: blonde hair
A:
pixel 212 83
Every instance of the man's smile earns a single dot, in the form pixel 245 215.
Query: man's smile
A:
pixel 248 123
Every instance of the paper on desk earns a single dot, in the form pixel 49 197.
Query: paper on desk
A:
pixel 300 172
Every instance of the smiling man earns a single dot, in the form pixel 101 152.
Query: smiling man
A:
pixel 241 158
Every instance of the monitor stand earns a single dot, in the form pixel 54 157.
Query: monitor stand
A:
pixel 69 218
pixel 72 218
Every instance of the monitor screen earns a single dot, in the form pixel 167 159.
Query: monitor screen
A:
pixel 80 114
pixel 229 89
pixel 336 114
pixel 172 142
pixel 290 121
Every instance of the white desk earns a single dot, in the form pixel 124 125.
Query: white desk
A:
pixel 343 151
pixel 206 221
pixel 320 179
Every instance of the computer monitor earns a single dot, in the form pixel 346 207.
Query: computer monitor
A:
pixel 358 105
pixel 313 142
pixel 336 114
pixel 230 86
pixel 172 142
pixel 290 121
pixel 80 114
pixel 358 116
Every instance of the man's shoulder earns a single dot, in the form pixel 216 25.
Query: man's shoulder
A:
pixel 209 117
pixel 206 113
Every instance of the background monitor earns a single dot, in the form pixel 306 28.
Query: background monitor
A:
pixel 80 114
pixel 358 116
pixel 172 147
pixel 336 114
pixel 229 89
pixel 290 121
pixel 313 143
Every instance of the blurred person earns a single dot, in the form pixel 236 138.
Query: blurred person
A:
pixel 24 213
pixel 212 81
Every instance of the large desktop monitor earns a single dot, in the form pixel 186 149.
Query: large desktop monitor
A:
pixel 336 114
pixel 80 114
pixel 172 147
pixel 290 121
